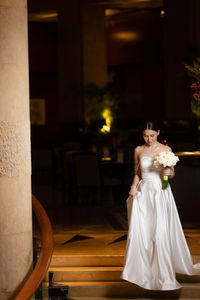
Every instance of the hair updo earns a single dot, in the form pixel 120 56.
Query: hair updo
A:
pixel 149 125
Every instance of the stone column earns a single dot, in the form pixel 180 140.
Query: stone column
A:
pixel 15 173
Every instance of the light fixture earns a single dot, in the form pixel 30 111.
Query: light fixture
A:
pixel 111 12
pixel 162 13
pixel 126 35
pixel 48 16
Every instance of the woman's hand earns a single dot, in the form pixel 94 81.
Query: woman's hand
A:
pixel 168 171
pixel 133 191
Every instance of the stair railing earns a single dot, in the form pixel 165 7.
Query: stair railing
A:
pixel 44 260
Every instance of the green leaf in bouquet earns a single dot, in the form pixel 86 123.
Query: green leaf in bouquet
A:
pixel 164 184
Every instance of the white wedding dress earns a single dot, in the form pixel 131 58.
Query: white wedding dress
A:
pixel 156 247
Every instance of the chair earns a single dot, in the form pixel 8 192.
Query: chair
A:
pixel 42 173
pixel 87 169
pixel 86 174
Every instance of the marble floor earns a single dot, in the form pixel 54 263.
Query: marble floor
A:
pixel 87 229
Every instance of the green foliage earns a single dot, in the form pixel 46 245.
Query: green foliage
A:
pixel 194 69
pixel 97 99
pixel 195 107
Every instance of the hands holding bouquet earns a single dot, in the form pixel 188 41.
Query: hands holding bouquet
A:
pixel 167 160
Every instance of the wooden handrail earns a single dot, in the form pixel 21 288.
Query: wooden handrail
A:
pixel 44 260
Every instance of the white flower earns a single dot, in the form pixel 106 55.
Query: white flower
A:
pixel 165 159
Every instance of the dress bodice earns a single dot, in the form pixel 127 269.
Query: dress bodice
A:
pixel 148 170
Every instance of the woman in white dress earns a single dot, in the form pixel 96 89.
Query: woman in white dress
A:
pixel 156 247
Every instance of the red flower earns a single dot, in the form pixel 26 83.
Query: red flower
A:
pixel 196 96
pixel 195 86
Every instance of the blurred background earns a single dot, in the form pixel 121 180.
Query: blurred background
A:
pixel 98 69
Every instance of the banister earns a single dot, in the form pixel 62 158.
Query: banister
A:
pixel 44 260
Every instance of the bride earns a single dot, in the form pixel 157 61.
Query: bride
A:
pixel 156 247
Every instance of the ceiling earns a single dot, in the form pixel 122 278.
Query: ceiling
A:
pixel 47 11
pixel 129 3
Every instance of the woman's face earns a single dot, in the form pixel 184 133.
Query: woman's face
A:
pixel 150 136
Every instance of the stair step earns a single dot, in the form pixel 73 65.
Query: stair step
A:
pixel 85 273
pixel 124 290
pixel 89 283
pixel 188 279
pixel 188 290
pixel 79 260
pixel 117 298
pixel 72 274
pixel 87 260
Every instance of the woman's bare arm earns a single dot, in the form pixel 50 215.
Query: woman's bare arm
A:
pixel 136 177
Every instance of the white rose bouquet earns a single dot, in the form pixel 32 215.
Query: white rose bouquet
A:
pixel 165 159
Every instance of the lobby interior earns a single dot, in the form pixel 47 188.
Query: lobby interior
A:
pixel 97 70
pixel 133 52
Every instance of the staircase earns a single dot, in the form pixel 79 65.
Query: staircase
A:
pixel 98 277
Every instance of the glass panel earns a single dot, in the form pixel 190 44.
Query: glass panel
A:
pixel 41 294
pixel 52 293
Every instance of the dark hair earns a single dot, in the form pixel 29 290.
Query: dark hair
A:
pixel 149 125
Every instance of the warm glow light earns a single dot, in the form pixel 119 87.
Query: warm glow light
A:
pixel 43 16
pixel 106 158
pixel 162 13
pixel 105 129
pixel 126 35
pixel 111 12
pixel 131 3
pixel 187 153
pixel 107 115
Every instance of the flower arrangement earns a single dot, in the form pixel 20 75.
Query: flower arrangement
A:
pixel 195 103
pixel 194 72
pixel 165 159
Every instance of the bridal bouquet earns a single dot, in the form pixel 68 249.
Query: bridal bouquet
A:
pixel 165 159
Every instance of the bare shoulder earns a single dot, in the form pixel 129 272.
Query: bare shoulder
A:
pixel 165 147
pixel 137 151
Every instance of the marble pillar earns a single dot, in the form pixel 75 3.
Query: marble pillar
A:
pixel 15 162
